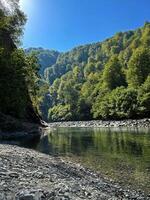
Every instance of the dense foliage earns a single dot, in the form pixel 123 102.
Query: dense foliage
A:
pixel 18 72
pixel 108 80
pixel 45 57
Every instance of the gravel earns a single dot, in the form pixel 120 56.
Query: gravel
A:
pixel 29 175
pixel 102 124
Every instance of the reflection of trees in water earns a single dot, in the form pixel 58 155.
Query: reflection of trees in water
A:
pixel 81 144
pixel 45 146
pixel 106 150
pixel 96 141
pixel 135 148
pixel 119 143
pixel 130 147
pixel 70 142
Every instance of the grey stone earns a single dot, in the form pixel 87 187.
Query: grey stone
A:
pixel 30 175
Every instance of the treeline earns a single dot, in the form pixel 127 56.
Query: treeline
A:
pixel 18 72
pixel 108 80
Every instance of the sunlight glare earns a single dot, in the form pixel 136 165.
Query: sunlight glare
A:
pixel 27 6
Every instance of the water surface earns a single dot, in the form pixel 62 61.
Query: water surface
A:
pixel 122 155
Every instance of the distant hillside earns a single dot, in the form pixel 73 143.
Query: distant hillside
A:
pixel 101 80
pixel 55 64
pixel 46 57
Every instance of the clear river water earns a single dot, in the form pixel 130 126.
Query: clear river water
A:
pixel 122 155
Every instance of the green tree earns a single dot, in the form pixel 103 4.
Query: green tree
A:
pixel 119 104
pixel 144 98
pixel 138 67
pixel 106 79
pixel 112 74
pixel 89 68
pixel 60 113
pixel 18 75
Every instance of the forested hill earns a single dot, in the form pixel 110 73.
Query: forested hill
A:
pixel 18 72
pixel 106 80
pixel 46 57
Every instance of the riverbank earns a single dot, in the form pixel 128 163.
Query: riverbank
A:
pixel 15 129
pixel 27 174
pixel 140 123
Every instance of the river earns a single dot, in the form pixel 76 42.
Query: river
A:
pixel 122 155
pixel 119 154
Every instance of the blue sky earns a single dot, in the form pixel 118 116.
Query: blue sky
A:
pixel 64 24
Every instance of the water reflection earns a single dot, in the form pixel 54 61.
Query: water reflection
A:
pixel 121 154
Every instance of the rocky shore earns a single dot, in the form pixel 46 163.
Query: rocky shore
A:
pixel 104 124
pixel 14 129
pixel 28 175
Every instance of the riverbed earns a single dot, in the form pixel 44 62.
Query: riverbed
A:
pixel 28 175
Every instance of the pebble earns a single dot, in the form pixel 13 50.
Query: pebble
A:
pixel 29 175
pixel 103 124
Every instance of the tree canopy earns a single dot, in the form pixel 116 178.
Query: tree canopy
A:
pixel 101 80
pixel 18 71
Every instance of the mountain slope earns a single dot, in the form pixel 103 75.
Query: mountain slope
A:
pixel 46 58
pixel 85 82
